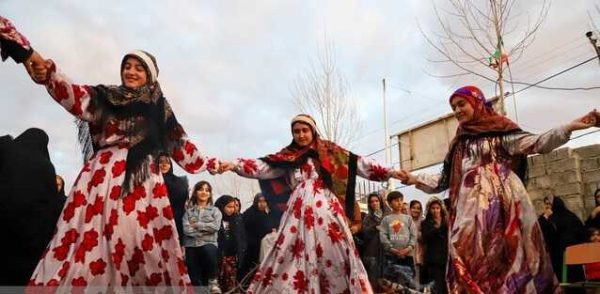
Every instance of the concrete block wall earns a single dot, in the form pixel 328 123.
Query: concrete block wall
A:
pixel 572 174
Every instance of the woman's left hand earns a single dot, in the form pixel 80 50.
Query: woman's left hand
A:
pixel 589 120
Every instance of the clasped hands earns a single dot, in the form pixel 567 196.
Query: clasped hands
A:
pixel 37 67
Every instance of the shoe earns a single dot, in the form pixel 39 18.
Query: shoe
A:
pixel 213 287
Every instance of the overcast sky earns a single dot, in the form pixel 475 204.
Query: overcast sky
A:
pixel 227 67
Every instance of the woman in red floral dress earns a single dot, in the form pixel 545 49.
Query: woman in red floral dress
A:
pixel 116 229
pixel 314 252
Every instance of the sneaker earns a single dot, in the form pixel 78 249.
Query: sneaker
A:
pixel 213 287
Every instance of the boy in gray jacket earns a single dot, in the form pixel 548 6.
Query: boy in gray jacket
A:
pixel 398 236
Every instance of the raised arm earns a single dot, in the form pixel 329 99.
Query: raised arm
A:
pixel 256 169
pixel 527 143
pixel 183 151
pixel 370 169
pixel 76 99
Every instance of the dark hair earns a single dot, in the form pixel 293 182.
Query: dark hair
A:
pixel 413 202
pixel 443 211
pixel 393 196
pixel 596 199
pixel 591 231
pixel 197 187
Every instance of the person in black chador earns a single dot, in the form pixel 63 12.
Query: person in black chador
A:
pixel 258 222
pixel 178 188
pixel 29 207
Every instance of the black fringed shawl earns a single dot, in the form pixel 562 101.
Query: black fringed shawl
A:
pixel 151 126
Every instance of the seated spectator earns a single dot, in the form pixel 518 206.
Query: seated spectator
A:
pixel 258 222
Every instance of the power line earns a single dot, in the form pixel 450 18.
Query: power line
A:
pixel 554 75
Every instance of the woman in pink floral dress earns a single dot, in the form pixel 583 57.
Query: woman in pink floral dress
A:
pixel 116 229
pixel 314 251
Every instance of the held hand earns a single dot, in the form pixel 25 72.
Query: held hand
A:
pixel 37 67
pixel 407 178
pixel 226 166
pixel 584 122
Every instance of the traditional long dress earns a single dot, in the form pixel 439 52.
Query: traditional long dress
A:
pixel 106 239
pixel 495 241
pixel 314 251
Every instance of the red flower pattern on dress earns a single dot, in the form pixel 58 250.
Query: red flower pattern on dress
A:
pixel 105 156
pixel 136 259
pixel 118 168
pixel 77 201
pixel 112 222
pixel 178 155
pixel 160 191
pixel 267 279
pixel 154 279
pixel 319 250
pixel 167 212
pixel 97 179
pixel 117 255
pixel 318 186
pixel 195 166
pixel 148 242
pixel 78 93
pixel 60 91
pixel 94 209
pixel 297 249
pixel 300 282
pixel 97 267
pixel 212 164
pixel 165 255
pixel 297 208
pixel 334 233
pixel 64 269
pixel 279 240
pixel 90 240
pixel 79 282
pixel 164 233
pixel 309 218
pixel 249 166
pixel 336 207
pixel 323 284
pixel 378 173
pixel 115 192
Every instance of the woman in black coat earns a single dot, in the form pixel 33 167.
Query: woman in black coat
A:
pixel 258 222
pixel 178 188
pixel 569 231
pixel 434 241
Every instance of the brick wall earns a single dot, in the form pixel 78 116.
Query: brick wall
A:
pixel 572 174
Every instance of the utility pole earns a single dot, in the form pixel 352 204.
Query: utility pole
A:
pixel 390 182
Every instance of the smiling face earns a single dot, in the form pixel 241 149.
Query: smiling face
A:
pixel 463 110
pixel 203 194
pixel 302 133
pixel 133 74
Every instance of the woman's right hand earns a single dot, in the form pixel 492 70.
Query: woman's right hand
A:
pixel 584 122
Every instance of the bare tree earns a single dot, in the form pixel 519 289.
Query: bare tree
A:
pixel 478 37
pixel 322 91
